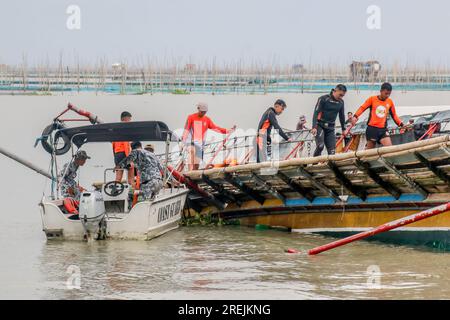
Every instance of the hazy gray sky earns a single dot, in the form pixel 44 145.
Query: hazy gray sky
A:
pixel 286 31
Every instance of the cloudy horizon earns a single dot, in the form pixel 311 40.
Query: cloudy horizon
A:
pixel 200 31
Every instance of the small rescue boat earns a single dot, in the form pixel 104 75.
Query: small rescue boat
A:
pixel 108 211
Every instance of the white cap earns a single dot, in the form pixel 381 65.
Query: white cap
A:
pixel 202 106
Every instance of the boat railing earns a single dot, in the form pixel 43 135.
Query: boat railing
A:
pixel 240 150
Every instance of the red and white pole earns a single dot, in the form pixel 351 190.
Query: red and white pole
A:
pixel 182 179
pixel 345 133
pixel 383 228
pixel 92 118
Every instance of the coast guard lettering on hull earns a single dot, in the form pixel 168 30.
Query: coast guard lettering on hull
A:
pixel 168 211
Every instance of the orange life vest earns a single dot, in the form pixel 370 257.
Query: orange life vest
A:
pixel 71 205
pixel 121 146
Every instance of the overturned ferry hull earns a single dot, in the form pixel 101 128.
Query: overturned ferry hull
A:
pixel 339 194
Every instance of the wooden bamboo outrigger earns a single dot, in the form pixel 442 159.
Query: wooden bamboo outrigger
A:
pixel 388 187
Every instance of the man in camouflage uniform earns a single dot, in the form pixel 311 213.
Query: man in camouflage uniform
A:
pixel 69 186
pixel 149 169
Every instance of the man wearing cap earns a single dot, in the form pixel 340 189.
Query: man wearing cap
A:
pixel 121 150
pixel 348 124
pixel 197 124
pixel 149 168
pixel 150 147
pixel 267 122
pixel 69 187
pixel 301 124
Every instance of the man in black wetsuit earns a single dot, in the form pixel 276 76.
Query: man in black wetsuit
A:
pixel 267 122
pixel 327 109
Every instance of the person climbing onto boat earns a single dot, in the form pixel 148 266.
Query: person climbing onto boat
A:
pixel 348 124
pixel 149 168
pixel 267 122
pixel 121 150
pixel 327 109
pixel 197 124
pixel 301 124
pixel 68 185
pixel 380 107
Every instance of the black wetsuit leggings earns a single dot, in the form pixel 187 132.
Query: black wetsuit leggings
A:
pixel 263 148
pixel 325 137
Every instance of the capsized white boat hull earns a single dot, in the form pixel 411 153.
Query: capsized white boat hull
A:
pixel 146 220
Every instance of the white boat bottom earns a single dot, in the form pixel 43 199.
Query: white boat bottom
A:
pixel 146 220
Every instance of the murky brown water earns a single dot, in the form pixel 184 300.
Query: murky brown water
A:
pixel 219 263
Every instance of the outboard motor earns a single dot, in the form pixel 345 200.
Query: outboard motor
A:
pixel 92 214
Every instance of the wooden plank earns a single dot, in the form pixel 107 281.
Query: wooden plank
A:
pixel 433 168
pixel 269 188
pixel 302 171
pixel 295 186
pixel 340 176
pixel 221 190
pixel 408 181
pixel 391 189
pixel 237 183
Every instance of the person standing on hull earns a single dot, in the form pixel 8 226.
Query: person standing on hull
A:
pixel 149 168
pixel 348 124
pixel 301 124
pixel 69 186
pixel 327 109
pixel 267 122
pixel 121 150
pixel 380 107
pixel 197 124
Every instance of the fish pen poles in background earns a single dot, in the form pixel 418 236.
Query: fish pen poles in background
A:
pixel 213 77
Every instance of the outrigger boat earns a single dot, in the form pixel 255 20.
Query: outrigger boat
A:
pixel 339 195
pixel 109 210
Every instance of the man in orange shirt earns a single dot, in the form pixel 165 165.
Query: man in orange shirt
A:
pixel 380 107
pixel 121 150
pixel 197 124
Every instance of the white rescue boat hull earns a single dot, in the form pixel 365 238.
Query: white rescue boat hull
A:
pixel 145 221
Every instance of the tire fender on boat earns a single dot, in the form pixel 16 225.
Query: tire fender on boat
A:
pixel 56 126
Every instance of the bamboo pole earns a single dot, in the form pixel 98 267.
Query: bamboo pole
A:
pixel 25 163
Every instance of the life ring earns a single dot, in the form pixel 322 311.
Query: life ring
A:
pixel 59 135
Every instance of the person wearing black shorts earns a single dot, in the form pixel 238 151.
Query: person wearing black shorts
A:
pixel 376 134
pixel 118 157
pixel 380 108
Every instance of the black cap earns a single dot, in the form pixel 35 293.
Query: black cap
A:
pixel 150 147
pixel 341 87
pixel 125 114
pixel 280 103
pixel 136 144
pixel 386 86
